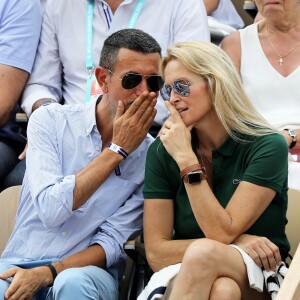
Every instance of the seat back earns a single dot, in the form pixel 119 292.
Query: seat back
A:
pixel 290 288
pixel 293 216
pixel 9 201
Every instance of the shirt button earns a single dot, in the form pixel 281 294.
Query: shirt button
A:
pixel 64 234
pixel 97 148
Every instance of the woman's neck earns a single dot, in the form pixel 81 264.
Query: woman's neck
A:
pixel 284 24
pixel 211 134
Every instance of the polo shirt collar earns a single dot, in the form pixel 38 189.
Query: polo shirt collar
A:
pixel 227 148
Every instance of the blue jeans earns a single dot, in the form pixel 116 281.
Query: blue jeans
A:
pixel 88 282
pixel 11 168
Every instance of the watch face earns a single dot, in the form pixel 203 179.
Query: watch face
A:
pixel 292 133
pixel 194 177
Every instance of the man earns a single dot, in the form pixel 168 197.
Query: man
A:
pixel 20 25
pixel 82 193
pixel 73 34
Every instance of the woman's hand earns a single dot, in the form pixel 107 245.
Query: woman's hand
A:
pixel 176 138
pixel 260 249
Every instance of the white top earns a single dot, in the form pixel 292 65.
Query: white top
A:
pixel 62 45
pixel 277 98
pixel 43 2
pixel 227 14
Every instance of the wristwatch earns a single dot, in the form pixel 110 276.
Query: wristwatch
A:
pixel 194 177
pixel 292 133
pixel 47 102
pixel 193 174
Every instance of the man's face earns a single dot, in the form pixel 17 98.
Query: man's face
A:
pixel 130 62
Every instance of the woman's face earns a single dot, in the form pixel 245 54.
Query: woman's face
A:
pixel 276 8
pixel 197 106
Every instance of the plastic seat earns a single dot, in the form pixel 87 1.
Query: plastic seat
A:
pixel 9 202
pixel 293 216
pixel 290 289
pixel 250 8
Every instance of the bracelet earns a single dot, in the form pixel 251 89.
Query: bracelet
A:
pixel 53 271
pixel 117 149
pixel 190 169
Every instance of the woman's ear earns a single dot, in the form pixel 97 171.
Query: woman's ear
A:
pixel 102 76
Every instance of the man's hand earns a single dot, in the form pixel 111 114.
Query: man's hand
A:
pixel 23 154
pixel 26 282
pixel 131 126
pixel 261 250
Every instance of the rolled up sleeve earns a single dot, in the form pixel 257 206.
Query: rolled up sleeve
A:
pixel 124 224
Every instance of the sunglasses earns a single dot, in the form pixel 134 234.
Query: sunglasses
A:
pixel 132 80
pixel 179 86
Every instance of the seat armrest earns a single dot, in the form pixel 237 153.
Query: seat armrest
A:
pixel 135 249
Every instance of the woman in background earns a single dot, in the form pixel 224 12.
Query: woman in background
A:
pixel 267 55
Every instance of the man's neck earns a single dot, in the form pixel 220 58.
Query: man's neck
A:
pixel 114 4
pixel 104 120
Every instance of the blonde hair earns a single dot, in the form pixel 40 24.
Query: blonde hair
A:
pixel 233 107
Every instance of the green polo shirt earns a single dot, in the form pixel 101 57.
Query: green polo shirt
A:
pixel 262 161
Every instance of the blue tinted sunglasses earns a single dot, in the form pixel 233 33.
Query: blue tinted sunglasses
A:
pixel 180 87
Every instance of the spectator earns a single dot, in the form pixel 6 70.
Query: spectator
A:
pixel 43 3
pixel 217 175
pixel 82 197
pixel 226 14
pixel 20 23
pixel 267 55
pixel 69 54
pixel 211 5
pixel 223 19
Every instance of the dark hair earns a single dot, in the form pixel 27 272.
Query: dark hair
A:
pixel 132 39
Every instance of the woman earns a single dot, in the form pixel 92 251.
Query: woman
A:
pixel 267 55
pixel 218 170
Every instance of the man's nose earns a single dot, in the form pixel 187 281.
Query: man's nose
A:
pixel 142 87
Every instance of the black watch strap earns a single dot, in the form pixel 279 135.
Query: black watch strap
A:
pixel 47 102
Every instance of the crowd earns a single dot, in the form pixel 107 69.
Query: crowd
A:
pixel 138 122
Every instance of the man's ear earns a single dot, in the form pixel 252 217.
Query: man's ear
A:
pixel 102 76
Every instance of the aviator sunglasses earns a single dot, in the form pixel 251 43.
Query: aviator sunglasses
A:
pixel 132 80
pixel 179 86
